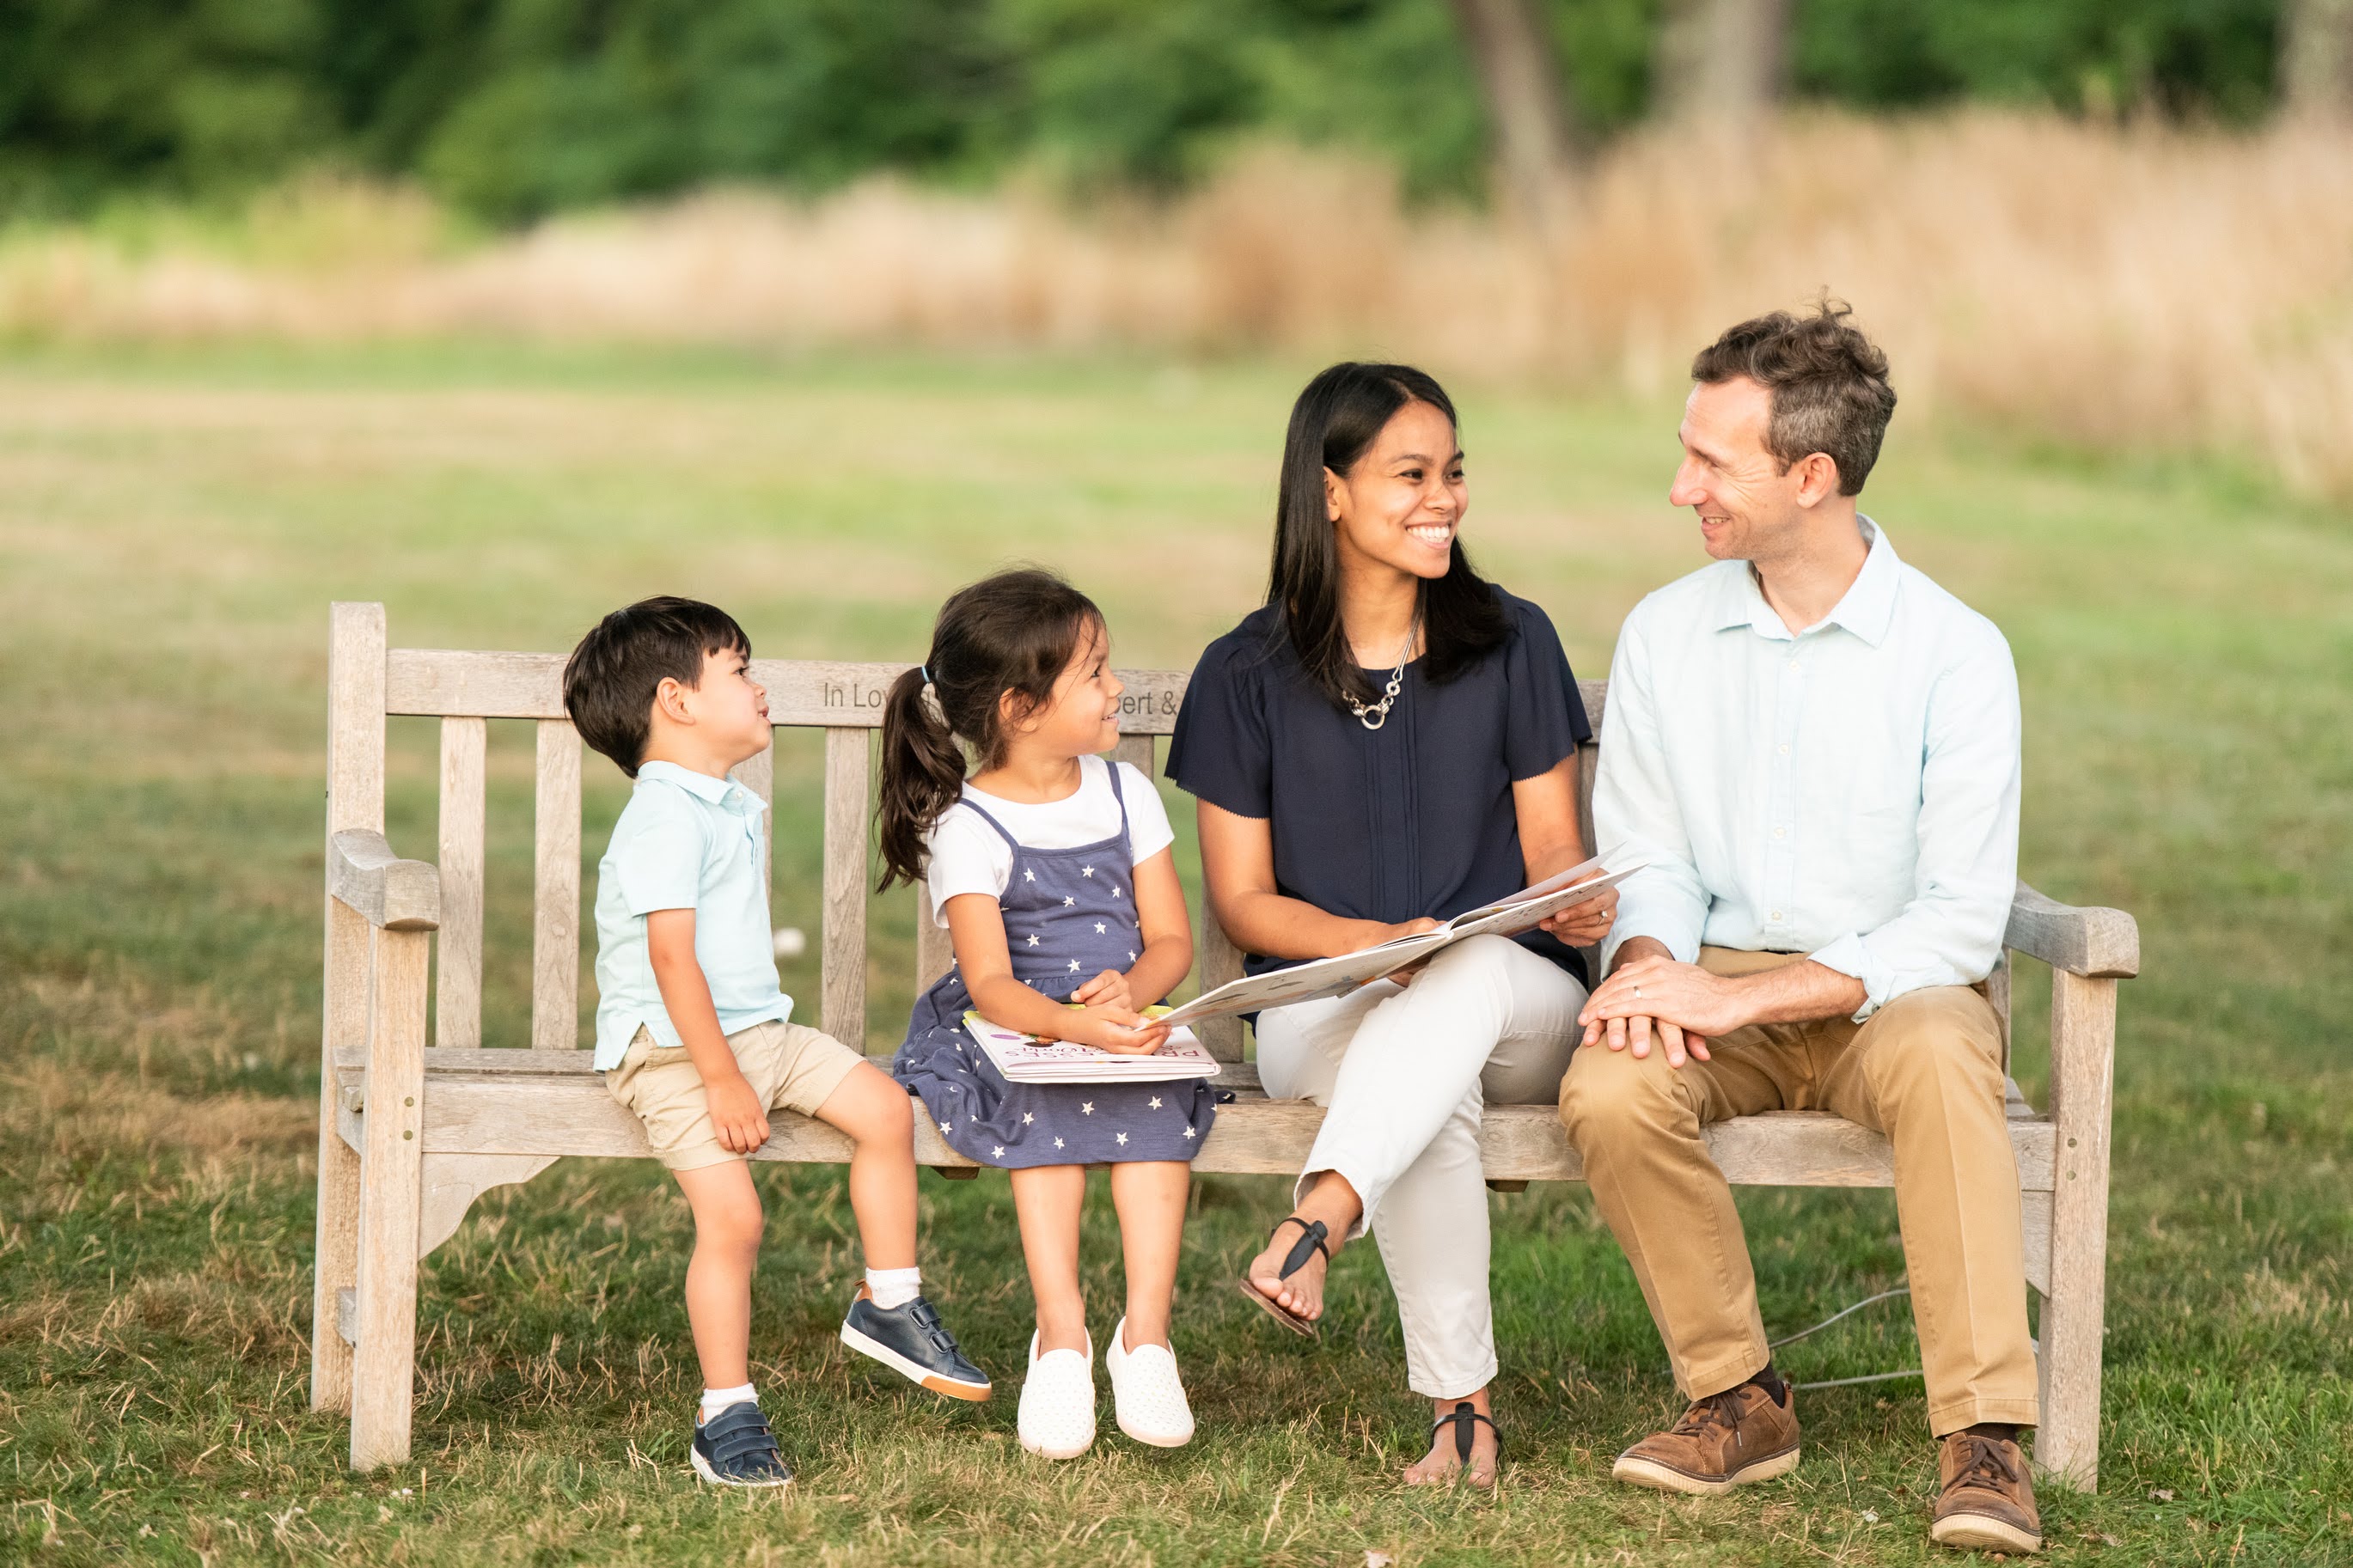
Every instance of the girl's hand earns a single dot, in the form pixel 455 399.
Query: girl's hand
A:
pixel 1108 989
pixel 1117 1029
pixel 1582 925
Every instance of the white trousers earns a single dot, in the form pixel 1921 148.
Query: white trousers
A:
pixel 1404 1073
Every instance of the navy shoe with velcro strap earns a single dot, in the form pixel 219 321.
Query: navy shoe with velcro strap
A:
pixel 913 1342
pixel 735 1449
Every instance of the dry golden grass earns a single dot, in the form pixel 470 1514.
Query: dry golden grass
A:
pixel 2130 286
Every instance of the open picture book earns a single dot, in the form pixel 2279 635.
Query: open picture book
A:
pixel 1321 977
pixel 1026 1058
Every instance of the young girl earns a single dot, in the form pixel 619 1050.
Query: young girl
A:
pixel 1052 870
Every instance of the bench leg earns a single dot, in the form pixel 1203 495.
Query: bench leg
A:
pixel 337 1251
pixel 2075 1312
pixel 338 1261
pixel 383 1357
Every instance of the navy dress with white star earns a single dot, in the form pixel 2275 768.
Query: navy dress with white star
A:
pixel 1070 914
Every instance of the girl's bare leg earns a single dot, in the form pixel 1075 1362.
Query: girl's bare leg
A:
pixel 1046 1199
pixel 1150 1197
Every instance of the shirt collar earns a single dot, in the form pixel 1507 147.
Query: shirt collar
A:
pixel 1866 609
pixel 718 792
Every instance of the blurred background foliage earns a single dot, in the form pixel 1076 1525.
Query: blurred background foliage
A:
pixel 509 109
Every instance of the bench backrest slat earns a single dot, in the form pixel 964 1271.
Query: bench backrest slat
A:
pixel 466 687
pixel 802 693
pixel 458 1002
pixel 842 974
pixel 555 891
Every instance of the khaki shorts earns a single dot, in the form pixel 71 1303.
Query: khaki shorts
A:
pixel 790 1067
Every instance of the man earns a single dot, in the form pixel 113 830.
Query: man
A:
pixel 1817 749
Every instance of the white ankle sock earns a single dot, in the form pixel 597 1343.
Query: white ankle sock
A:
pixel 715 1400
pixel 894 1287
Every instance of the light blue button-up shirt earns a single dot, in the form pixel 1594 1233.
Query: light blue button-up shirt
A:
pixel 1849 791
pixel 686 840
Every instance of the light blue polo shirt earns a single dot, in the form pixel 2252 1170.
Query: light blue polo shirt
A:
pixel 686 840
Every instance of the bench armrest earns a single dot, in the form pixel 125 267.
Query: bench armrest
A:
pixel 390 893
pixel 2094 943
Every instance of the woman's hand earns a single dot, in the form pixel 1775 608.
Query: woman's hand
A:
pixel 1582 925
pixel 1108 989
pixel 1372 933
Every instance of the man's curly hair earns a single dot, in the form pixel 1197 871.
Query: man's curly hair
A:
pixel 1827 382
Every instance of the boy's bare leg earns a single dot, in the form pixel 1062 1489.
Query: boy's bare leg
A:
pixel 1047 1200
pixel 727 1219
pixel 1150 1197
pixel 873 1109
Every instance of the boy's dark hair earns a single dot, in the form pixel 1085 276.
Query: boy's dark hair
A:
pixel 1828 385
pixel 611 678
pixel 1014 632
pixel 1334 423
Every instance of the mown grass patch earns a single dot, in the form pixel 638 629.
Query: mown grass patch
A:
pixel 171 527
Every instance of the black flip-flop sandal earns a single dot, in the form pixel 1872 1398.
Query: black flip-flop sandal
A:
pixel 1311 1241
pixel 1465 1419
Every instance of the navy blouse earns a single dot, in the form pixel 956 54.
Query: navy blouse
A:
pixel 1413 819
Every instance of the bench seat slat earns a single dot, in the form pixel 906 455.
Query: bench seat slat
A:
pixel 524 1112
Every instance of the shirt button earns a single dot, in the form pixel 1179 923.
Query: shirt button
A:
pixel 1794 665
pixel 1777 917
pixel 1785 748
pixel 1780 833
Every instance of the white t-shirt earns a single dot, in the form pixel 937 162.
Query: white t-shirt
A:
pixel 967 856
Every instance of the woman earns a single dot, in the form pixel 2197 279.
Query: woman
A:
pixel 1389 742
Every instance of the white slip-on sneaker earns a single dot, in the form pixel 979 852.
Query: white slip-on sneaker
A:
pixel 1147 1392
pixel 1058 1402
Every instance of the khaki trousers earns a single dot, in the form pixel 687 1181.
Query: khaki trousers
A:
pixel 1927 1070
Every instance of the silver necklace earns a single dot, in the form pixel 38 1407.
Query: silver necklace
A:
pixel 1374 717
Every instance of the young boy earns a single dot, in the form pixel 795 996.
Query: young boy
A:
pixel 694 1033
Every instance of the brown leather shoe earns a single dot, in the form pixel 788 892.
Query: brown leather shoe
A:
pixel 1724 1440
pixel 1987 1501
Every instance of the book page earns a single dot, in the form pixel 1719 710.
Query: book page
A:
pixel 1324 977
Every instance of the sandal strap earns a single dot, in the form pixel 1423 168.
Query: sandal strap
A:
pixel 1464 1419
pixel 1311 1240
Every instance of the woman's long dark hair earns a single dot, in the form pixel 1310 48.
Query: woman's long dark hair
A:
pixel 1333 425
pixel 1016 632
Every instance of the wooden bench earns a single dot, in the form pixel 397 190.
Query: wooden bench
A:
pixel 410 1134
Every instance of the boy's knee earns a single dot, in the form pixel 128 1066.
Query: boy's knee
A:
pixel 885 1115
pixel 732 1226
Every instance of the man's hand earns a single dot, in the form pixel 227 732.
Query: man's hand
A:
pixel 737 1114
pixel 1582 925
pixel 1108 989
pixel 1650 993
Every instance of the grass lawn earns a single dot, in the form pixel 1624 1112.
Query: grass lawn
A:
pixel 172 526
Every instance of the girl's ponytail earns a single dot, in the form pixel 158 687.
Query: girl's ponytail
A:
pixel 1010 635
pixel 922 776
